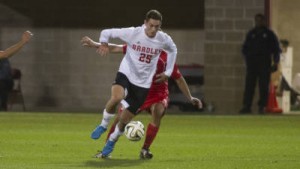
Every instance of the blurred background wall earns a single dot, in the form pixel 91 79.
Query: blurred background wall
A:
pixel 284 21
pixel 226 24
pixel 60 75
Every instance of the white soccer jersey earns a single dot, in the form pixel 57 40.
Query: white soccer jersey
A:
pixel 139 62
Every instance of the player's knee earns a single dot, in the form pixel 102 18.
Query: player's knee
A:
pixel 116 98
pixel 159 112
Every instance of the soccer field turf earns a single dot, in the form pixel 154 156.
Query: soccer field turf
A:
pixel 62 141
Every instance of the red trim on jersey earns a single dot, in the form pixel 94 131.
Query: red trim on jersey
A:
pixel 159 92
pixel 124 49
pixel 176 73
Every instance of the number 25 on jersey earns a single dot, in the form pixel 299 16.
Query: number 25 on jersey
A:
pixel 145 58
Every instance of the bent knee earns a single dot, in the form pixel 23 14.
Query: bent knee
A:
pixel 116 98
pixel 159 111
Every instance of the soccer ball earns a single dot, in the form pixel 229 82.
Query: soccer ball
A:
pixel 134 131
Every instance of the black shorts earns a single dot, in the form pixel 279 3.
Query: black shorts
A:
pixel 135 95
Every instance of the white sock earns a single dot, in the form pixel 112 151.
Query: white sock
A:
pixel 116 134
pixel 106 118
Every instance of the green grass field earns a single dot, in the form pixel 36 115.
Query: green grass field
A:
pixel 61 141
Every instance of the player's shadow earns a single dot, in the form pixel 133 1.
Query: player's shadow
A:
pixel 107 163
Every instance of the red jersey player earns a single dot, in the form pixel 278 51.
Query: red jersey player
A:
pixel 157 98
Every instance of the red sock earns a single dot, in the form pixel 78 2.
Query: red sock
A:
pixel 150 135
pixel 111 130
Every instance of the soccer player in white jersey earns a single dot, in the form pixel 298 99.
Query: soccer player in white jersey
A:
pixel 144 45
pixel 156 102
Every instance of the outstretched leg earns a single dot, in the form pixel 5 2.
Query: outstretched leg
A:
pixel 117 94
pixel 157 112
pixel 126 117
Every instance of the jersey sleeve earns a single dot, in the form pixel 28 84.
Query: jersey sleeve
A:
pixel 171 50
pixel 176 74
pixel 121 33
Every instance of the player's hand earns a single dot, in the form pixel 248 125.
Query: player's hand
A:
pixel 103 49
pixel 161 78
pixel 88 42
pixel 196 102
pixel 26 36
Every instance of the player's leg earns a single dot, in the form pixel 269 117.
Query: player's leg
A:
pixel 117 94
pixel 113 126
pixel 250 83
pixel 134 100
pixel 263 83
pixel 108 113
pixel 157 112
pixel 126 117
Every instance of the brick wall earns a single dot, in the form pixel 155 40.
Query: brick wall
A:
pixel 226 23
pixel 60 75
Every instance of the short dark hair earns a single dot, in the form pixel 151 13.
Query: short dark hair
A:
pixel 153 14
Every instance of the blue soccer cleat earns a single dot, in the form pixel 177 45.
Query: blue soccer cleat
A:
pixel 98 131
pixel 108 148
pixel 100 155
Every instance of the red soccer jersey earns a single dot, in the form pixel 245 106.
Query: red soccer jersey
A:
pixel 159 91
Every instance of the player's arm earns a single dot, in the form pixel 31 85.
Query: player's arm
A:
pixel 276 51
pixel 181 83
pixel 171 50
pixel 16 47
pixel 113 48
pixel 107 34
pixel 88 42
